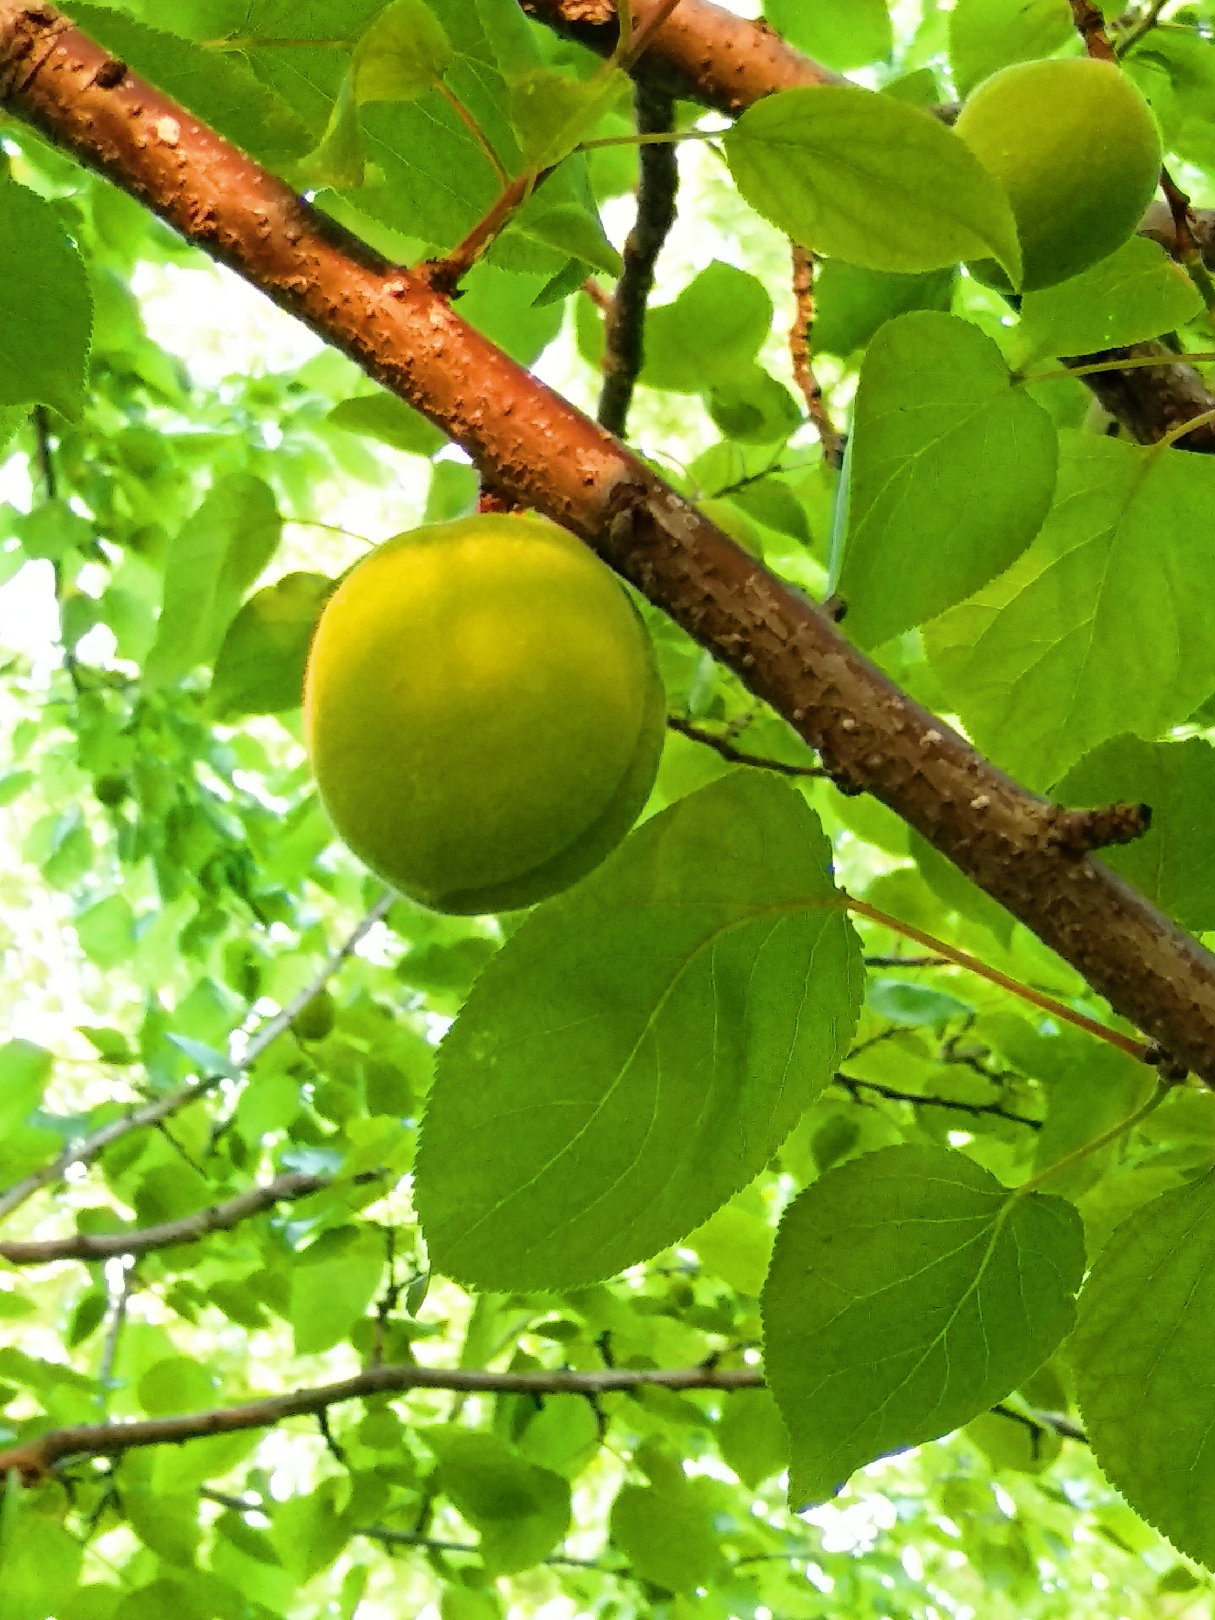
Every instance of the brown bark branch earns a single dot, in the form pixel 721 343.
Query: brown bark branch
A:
pixel 189 1229
pixel 799 350
pixel 526 438
pixel 36 1458
pixel 1090 25
pixel 701 52
pixel 624 328
pixel 89 1147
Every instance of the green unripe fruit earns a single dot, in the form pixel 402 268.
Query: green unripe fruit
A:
pixel 1076 148
pixel 316 1018
pixel 483 711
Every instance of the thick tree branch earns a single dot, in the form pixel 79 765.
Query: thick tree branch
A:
pixel 624 328
pixel 89 1147
pixel 36 1458
pixel 531 442
pixel 700 53
pixel 189 1229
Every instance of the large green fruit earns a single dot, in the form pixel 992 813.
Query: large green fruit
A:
pixel 1076 148
pixel 483 711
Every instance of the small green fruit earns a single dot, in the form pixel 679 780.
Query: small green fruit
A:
pixel 1076 148
pixel 483 711
pixel 316 1018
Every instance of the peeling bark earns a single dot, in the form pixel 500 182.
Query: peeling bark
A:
pixel 536 447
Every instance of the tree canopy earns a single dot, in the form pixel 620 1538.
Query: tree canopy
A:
pixel 806 1212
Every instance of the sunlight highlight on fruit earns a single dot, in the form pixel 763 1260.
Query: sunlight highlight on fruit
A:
pixel 483 712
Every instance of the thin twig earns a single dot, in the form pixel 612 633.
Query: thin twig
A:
pixel 1144 26
pixel 35 1459
pixel 800 350
pixel 87 1148
pixel 1038 1420
pixel 907 961
pixel 735 755
pixel 109 1353
pixel 852 1086
pixel 624 328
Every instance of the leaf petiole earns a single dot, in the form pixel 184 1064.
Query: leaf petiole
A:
pixel 1122 1128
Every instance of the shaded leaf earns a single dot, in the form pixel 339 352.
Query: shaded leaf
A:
pixel 869 179
pixel 46 312
pixel 639 1047
pixel 951 474
pixel 1102 626
pixel 988 34
pixel 843 34
pixel 1142 1374
pixel 1173 863
pixel 402 55
pixel 332 1283
pixel 1135 294
pixel 909 1291
pixel 385 417
pixel 212 561
pixel 260 666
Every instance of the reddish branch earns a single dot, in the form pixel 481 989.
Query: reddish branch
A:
pixel 799 350
pixel 525 438
pixel 189 1229
pixel 36 1458
pixel 703 52
pixel 1090 25
pixel 624 328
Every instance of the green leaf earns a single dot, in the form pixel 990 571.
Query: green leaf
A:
pixel 39 1564
pixel 402 55
pixel 24 1072
pixel 988 34
pixel 12 418
pixel 339 159
pixel 106 931
pixel 551 112
pixel 1141 1357
pixel 46 313
pixel 332 1283
pixel 751 407
pixel 1135 294
pixel 640 1047
pixel 934 512
pixel 666 1531
pixel 865 178
pixel 843 34
pixel 216 85
pixel 260 666
pixel 211 562
pixel 851 303
pixel 309 1533
pixel 901 1002
pixel 176 1384
pixel 909 1291
pixel 521 1511
pixel 1102 627
pixel 385 417
pixel 729 303
pixel 1174 862
pixel 752 1437
pixel 736 1245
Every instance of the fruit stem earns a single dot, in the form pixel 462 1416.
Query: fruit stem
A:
pixel 1038 998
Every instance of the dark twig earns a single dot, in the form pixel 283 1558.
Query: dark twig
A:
pixel 853 1087
pixel 109 1354
pixel 624 328
pixel 87 1148
pixel 1037 1421
pixel 907 961
pixel 799 348
pixel 35 1459
pixel 735 755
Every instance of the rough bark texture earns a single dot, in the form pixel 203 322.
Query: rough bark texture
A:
pixel 533 444
pixel 701 52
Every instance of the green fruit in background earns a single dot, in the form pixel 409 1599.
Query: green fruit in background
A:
pixel 316 1018
pixel 1076 148
pixel 483 712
